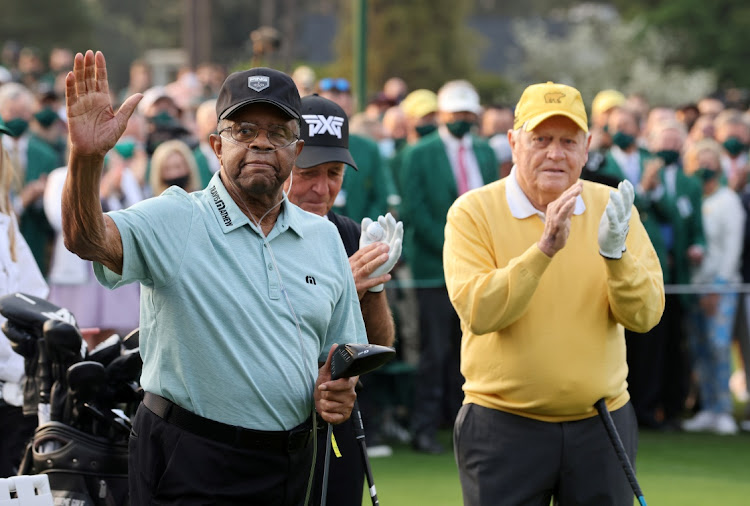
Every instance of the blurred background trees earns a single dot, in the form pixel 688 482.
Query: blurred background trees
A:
pixel 672 51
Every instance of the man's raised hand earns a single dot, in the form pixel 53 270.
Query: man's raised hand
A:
pixel 93 125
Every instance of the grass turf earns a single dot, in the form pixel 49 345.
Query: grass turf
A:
pixel 673 469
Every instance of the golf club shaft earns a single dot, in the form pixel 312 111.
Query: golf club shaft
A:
pixel 359 431
pixel 324 492
pixel 614 437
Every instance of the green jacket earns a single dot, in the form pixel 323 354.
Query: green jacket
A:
pixel 428 191
pixel 41 160
pixel 653 213
pixel 365 191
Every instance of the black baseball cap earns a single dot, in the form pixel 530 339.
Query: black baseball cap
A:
pixel 259 84
pixel 325 130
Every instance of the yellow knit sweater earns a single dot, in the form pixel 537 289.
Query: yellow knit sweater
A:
pixel 543 337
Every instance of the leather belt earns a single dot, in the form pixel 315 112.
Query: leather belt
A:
pixel 290 441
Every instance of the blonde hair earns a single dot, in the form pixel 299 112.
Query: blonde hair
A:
pixel 691 163
pixel 7 177
pixel 160 156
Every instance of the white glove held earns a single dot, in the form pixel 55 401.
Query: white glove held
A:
pixel 386 230
pixel 613 227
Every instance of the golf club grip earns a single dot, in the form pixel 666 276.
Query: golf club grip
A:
pixel 614 437
pixel 326 464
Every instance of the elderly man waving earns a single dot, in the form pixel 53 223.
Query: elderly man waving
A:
pixel 544 271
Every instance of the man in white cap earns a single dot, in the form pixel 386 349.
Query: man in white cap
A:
pixel 437 170
pixel 545 270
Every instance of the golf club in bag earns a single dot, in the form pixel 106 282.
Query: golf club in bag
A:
pixel 354 360
pixel 84 398
pixel 614 437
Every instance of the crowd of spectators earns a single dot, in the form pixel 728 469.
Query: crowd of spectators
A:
pixel 689 166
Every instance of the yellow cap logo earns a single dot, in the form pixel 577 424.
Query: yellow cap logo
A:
pixel 554 98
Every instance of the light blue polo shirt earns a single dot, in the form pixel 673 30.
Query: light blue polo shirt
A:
pixel 217 335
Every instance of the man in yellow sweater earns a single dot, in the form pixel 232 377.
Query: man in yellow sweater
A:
pixel 544 271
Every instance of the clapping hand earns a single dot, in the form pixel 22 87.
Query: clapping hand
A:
pixel 387 231
pixel 613 227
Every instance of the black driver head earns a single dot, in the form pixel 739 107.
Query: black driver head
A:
pixel 355 359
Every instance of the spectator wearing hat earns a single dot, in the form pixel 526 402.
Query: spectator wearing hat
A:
pixel 544 271
pixel 438 169
pixel 315 182
pixel 33 159
pixel 243 293
pixel 365 191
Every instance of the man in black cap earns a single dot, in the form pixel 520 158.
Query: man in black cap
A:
pixel 243 294
pixel 316 181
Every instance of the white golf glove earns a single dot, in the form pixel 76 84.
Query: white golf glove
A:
pixel 613 227
pixel 386 230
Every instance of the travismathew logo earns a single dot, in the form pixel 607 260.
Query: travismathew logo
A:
pixel 221 207
pixel 320 124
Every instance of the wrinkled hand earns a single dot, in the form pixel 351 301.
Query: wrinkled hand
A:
pixel 363 264
pixel 334 400
pixel 92 124
pixel 613 227
pixel 387 231
pixel 557 220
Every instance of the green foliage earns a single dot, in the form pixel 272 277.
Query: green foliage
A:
pixel 425 42
pixel 710 34
pixel 66 23
pixel 596 54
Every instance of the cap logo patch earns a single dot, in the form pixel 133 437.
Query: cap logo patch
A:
pixel 320 124
pixel 554 97
pixel 258 83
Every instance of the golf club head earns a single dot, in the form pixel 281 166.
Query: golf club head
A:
pixel 127 367
pixel 22 340
pixel 355 359
pixel 32 312
pixel 132 341
pixel 85 379
pixel 64 346
pixel 106 351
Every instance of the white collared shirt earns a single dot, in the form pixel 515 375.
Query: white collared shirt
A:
pixel 473 174
pixel 520 205
pixel 630 163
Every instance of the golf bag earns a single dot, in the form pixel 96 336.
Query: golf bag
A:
pixel 84 400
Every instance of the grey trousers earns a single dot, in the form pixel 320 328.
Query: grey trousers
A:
pixel 509 460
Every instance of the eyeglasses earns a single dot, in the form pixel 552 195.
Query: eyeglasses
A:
pixel 334 84
pixel 278 135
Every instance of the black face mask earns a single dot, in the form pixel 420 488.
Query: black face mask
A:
pixel 181 181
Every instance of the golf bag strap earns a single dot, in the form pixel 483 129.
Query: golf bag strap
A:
pixel 290 441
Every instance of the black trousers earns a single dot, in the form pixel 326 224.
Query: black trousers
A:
pixel 16 430
pixel 516 461
pixel 169 465
pixel 438 393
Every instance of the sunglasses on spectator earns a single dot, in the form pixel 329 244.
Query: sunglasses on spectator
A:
pixel 334 84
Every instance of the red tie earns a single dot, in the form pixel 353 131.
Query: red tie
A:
pixel 463 177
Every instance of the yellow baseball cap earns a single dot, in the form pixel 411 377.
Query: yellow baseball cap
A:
pixel 541 101
pixel 606 100
pixel 419 103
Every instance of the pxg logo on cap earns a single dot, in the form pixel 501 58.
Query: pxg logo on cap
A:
pixel 258 83
pixel 319 124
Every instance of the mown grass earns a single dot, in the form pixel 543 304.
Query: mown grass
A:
pixel 674 469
